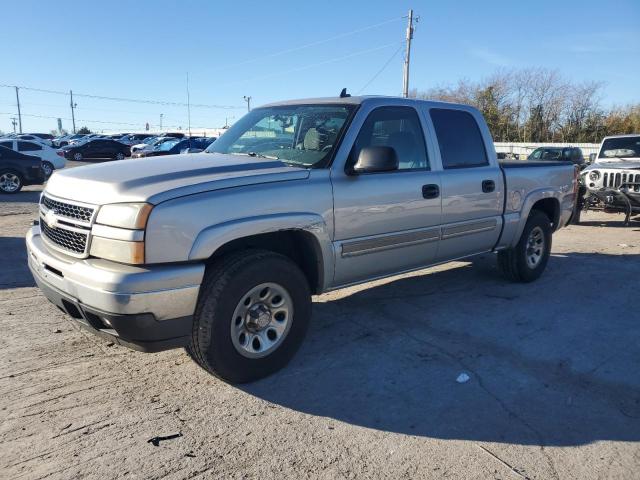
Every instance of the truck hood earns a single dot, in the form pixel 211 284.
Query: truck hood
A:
pixel 621 163
pixel 157 179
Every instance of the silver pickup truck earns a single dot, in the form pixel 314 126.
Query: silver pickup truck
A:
pixel 220 252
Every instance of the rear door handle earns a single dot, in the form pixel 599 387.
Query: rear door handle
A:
pixel 488 186
pixel 430 191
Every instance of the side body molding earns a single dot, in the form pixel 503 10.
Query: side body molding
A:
pixel 212 238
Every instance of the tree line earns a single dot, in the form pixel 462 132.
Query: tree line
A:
pixel 540 105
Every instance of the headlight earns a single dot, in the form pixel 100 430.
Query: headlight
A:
pixel 118 250
pixel 594 175
pixel 125 215
pixel 118 234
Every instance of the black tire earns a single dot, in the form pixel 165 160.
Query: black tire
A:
pixel 119 156
pixel 48 169
pixel 77 157
pixel 513 262
pixel 14 176
pixel 225 284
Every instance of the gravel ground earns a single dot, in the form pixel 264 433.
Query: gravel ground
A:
pixel 554 389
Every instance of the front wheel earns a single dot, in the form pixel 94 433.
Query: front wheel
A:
pixel 252 315
pixel 47 168
pixel 77 156
pixel 119 156
pixel 527 260
pixel 10 181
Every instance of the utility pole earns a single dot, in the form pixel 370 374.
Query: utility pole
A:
pixel 407 58
pixel 14 123
pixel 161 115
pixel 19 114
pixel 189 109
pixel 248 100
pixel 73 115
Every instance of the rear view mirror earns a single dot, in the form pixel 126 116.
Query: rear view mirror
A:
pixel 376 159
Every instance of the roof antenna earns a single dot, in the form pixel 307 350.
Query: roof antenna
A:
pixel 344 94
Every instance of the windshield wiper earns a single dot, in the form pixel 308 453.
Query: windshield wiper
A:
pixel 254 154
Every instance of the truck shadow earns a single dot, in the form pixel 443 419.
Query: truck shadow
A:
pixel 14 272
pixel 550 363
pixel 25 196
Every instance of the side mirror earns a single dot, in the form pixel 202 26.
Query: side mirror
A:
pixel 592 157
pixel 376 159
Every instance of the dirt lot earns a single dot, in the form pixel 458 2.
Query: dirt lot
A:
pixel 554 389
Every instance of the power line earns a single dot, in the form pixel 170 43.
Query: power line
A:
pixel 381 70
pixel 123 99
pixel 317 64
pixel 312 44
pixel 93 121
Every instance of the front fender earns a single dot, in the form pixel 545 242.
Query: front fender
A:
pixel 214 237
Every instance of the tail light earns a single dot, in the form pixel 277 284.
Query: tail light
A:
pixel 60 153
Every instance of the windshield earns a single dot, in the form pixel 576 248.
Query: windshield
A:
pixel 620 147
pixel 302 135
pixel 166 146
pixel 546 154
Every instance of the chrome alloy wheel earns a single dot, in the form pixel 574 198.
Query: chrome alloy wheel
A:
pixel 261 320
pixel 9 182
pixel 535 247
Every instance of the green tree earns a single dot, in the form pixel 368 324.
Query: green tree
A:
pixel 84 130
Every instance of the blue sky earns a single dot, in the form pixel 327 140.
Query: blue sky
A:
pixel 143 50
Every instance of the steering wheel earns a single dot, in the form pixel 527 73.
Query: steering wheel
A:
pixel 326 148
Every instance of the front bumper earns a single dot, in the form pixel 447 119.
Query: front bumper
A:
pixel 147 308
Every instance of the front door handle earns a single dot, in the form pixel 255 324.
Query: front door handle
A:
pixel 488 186
pixel 430 191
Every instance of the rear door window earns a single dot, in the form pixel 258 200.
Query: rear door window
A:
pixel 459 138
pixel 28 147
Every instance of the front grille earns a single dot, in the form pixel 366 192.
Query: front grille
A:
pixel 616 180
pixel 68 210
pixel 66 239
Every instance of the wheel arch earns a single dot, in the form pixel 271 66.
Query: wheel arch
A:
pixel 303 238
pixel 546 201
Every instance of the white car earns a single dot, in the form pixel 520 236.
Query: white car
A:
pixel 50 159
pixel 34 138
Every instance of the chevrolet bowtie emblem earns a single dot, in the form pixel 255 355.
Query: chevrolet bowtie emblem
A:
pixel 50 219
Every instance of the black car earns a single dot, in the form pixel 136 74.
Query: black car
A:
pixel 97 148
pixel 18 170
pixel 558 154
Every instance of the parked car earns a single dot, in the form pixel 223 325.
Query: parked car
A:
pixel 66 139
pixel 18 170
pixel 135 138
pixel 173 146
pixel 144 143
pixel 219 252
pixel 96 148
pixel 50 160
pixel 34 138
pixel 612 181
pixel 558 154
pixel 198 145
pixel 140 150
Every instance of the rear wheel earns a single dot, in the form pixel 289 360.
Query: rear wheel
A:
pixel 10 181
pixel 252 315
pixel 527 260
pixel 47 168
